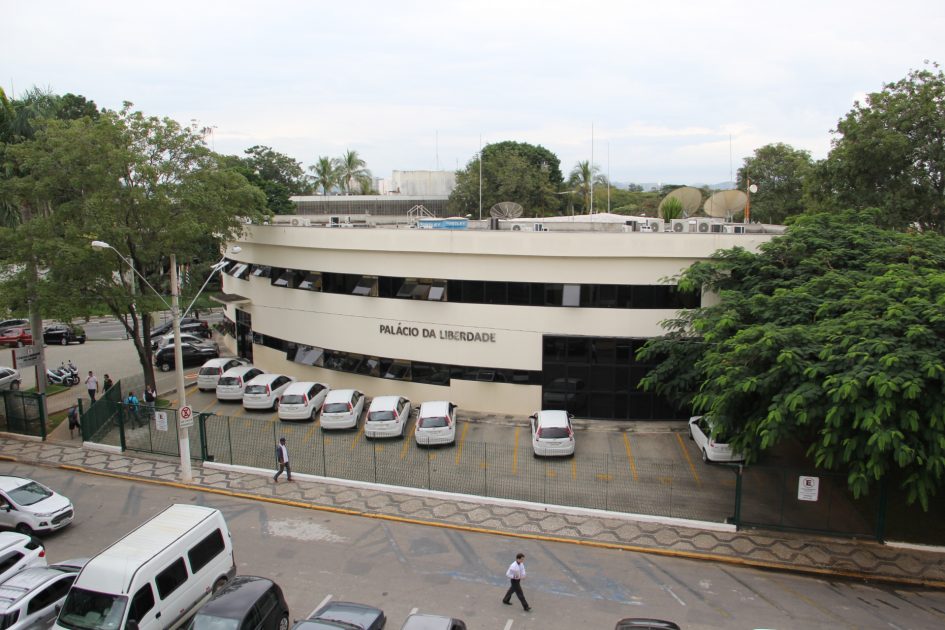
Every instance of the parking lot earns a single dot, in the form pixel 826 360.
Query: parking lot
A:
pixel 634 468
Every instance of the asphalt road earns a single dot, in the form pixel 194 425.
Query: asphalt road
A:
pixel 405 567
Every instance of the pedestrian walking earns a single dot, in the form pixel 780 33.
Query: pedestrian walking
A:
pixel 131 406
pixel 106 383
pixel 91 384
pixel 516 574
pixel 150 397
pixel 73 419
pixel 282 457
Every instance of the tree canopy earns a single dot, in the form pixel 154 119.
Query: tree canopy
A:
pixel 889 154
pixel 779 170
pixel 276 174
pixel 511 171
pixel 833 334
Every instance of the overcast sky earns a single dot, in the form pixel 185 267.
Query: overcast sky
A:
pixel 414 85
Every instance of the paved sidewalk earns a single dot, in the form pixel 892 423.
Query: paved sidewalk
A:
pixel 709 541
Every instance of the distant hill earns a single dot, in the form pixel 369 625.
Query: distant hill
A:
pixel 647 186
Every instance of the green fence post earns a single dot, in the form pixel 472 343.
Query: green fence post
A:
pixel 229 438
pixel 42 416
pixel 202 429
pixel 737 517
pixel 121 426
pixel 82 423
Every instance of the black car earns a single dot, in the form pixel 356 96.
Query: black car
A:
pixel 191 354
pixel 190 325
pixel 63 334
pixel 246 602
pixel 344 615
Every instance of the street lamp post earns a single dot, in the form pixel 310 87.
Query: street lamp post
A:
pixel 183 433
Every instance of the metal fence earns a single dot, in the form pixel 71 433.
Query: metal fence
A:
pixel 100 422
pixel 23 413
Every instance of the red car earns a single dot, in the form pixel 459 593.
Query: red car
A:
pixel 18 337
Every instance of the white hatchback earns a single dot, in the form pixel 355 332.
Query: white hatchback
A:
pixel 265 390
pixel 700 431
pixel 552 433
pixel 28 506
pixel 387 416
pixel 342 409
pixel 231 383
pixel 211 371
pixel 436 423
pixel 302 400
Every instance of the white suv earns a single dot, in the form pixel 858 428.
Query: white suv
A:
pixel 32 597
pixel 342 409
pixel 18 552
pixel 264 391
pixel 28 506
pixel 211 371
pixel 436 423
pixel 231 383
pixel 302 400
pixel 552 433
pixel 387 417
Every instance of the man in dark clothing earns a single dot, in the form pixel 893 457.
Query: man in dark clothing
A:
pixel 282 457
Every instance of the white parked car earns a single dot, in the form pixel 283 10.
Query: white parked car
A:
pixel 32 597
pixel 231 383
pixel 387 416
pixel 342 409
pixel 436 423
pixel 18 552
pixel 211 371
pixel 29 507
pixel 700 431
pixel 302 400
pixel 9 378
pixel 552 433
pixel 264 391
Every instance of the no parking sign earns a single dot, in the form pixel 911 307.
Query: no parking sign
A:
pixel 186 415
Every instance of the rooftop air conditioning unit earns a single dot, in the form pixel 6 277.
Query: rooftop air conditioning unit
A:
pixel 539 227
pixel 656 226
pixel 679 225
pixel 716 227
pixel 516 227
pixel 704 227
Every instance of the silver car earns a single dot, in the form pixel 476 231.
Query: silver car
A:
pixel 32 597
pixel 9 378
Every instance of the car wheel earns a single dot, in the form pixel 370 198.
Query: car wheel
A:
pixel 275 404
pixel 314 414
pixel 165 367
pixel 284 622
pixel 81 341
pixel 64 341
pixel 23 528
pixel 705 456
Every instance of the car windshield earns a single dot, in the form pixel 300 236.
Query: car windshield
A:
pixel 293 399
pixel 338 407
pixel 229 380
pixel 255 389
pixel 433 422
pixel 383 415
pixel 209 371
pixel 552 433
pixel 29 494
pixel 210 622
pixel 88 610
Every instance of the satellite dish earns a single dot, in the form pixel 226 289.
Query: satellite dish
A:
pixel 506 210
pixel 725 203
pixel 689 197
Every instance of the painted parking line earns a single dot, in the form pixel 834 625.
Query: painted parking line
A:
pixel 403 451
pixel 515 452
pixel 310 433
pixel 357 436
pixel 633 466
pixel 573 469
pixel 462 438
pixel 692 467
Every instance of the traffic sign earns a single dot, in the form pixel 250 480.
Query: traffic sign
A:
pixel 186 415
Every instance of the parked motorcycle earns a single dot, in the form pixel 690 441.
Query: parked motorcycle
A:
pixel 62 376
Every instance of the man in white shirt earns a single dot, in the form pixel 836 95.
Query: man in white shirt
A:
pixel 516 574
pixel 282 457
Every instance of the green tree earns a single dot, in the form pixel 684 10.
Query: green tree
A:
pixel 325 174
pixel 511 171
pixel 889 154
pixel 351 171
pixel 833 334
pixel 276 174
pixel 779 171
pixel 147 186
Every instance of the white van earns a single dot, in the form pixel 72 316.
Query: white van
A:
pixel 155 577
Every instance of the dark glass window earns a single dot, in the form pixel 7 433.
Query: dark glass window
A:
pixel 366 285
pixel 261 271
pixel 170 579
pixel 495 293
pixel 276 274
pixel 240 270
pixel 206 550
pixel 311 281
pixel 141 603
pixel 473 291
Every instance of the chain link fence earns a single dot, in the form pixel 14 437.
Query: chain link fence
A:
pixel 23 413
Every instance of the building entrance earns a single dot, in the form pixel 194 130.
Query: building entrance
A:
pixel 244 335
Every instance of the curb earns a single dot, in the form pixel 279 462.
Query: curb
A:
pixel 735 561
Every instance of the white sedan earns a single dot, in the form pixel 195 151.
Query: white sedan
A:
pixel 30 507
pixel 700 431
pixel 9 378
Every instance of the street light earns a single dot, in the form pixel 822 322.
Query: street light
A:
pixel 183 433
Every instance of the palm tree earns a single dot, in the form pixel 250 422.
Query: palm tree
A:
pixel 351 170
pixel 581 178
pixel 325 172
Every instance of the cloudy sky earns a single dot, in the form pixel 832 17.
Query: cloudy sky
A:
pixel 676 91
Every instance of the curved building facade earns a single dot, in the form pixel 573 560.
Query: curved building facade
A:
pixel 496 321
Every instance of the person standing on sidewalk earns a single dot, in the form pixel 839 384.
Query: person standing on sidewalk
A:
pixel 107 383
pixel 282 457
pixel 150 398
pixel 516 574
pixel 73 416
pixel 91 384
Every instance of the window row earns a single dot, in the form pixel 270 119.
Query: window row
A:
pixel 397 369
pixel 641 296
